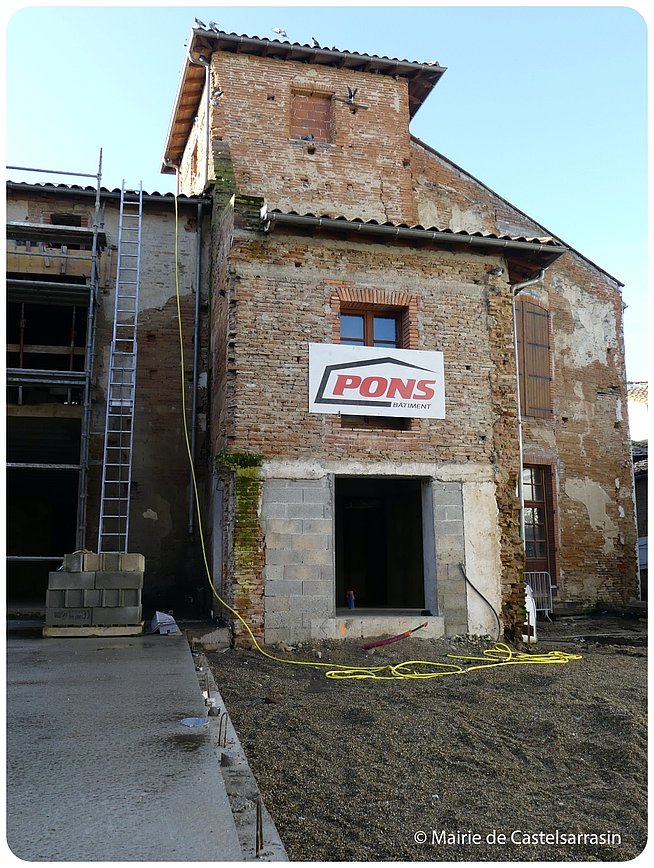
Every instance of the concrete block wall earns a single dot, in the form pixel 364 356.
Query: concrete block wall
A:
pixel 297 520
pixel 96 590
pixel 450 555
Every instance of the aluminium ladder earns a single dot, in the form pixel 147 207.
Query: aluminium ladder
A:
pixel 113 533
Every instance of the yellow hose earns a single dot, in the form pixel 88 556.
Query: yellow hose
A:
pixel 499 655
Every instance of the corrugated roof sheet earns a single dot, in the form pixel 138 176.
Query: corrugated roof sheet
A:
pixel 319 48
pixel 72 188
pixel 545 240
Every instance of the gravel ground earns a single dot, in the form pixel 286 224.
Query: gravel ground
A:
pixel 514 763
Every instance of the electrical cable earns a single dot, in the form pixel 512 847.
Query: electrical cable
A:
pixel 492 608
pixel 500 655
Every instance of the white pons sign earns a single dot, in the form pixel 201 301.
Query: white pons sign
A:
pixel 375 381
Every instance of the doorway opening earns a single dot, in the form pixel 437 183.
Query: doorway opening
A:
pixel 379 543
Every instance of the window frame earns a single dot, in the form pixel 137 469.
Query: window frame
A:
pixel 369 315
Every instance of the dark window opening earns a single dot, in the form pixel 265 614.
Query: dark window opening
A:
pixel 40 523
pixel 46 337
pixel 60 219
pixel 379 543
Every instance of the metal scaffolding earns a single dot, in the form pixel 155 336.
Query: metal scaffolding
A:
pixel 59 246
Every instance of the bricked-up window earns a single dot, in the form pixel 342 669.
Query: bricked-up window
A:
pixel 311 116
pixel 534 358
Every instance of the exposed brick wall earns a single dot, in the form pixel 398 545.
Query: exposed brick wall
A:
pixel 506 457
pixel 363 171
pixel 243 551
pixel 280 300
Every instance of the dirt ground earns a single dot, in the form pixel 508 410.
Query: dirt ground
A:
pixel 513 763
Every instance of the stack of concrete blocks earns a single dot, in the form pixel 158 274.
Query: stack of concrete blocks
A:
pixel 95 594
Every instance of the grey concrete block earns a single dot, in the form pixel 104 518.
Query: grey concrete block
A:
pixel 312 542
pixel 92 561
pixel 110 560
pixel 64 579
pixel 447 494
pixel 74 562
pixel 317 607
pixel 323 526
pixel 132 562
pixel 74 598
pixel 62 617
pixel 278 634
pixel 92 598
pixel 318 557
pixel 270 510
pixel 111 597
pixel 305 510
pixel 283 589
pixel 118 579
pixel 273 572
pixel 283 556
pixel 271 485
pixel 318 588
pixel 276 604
pixel 283 495
pixel 275 620
pixel 316 492
pixel 449 528
pixel 300 571
pixel 448 513
pixel 55 598
pixel 106 616
pixel 280 540
pixel 283 525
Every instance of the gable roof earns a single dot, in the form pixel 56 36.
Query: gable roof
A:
pixel 422 77
pixel 556 239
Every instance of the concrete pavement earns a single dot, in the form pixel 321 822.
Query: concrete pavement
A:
pixel 100 766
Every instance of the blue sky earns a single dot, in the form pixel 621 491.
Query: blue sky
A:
pixel 545 105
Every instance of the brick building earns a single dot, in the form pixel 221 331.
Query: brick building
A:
pixel 334 227
pixel 405 388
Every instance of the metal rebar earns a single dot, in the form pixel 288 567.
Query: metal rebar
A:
pixel 222 733
pixel 259 832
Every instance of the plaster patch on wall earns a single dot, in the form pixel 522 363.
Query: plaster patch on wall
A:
pixel 592 496
pixel 466 220
pixel 482 556
pixel 151 514
pixel 594 331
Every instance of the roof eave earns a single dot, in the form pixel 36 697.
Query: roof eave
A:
pixel 422 77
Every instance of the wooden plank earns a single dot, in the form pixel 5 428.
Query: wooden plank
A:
pixel 70 632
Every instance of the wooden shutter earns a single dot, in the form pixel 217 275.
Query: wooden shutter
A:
pixel 534 362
